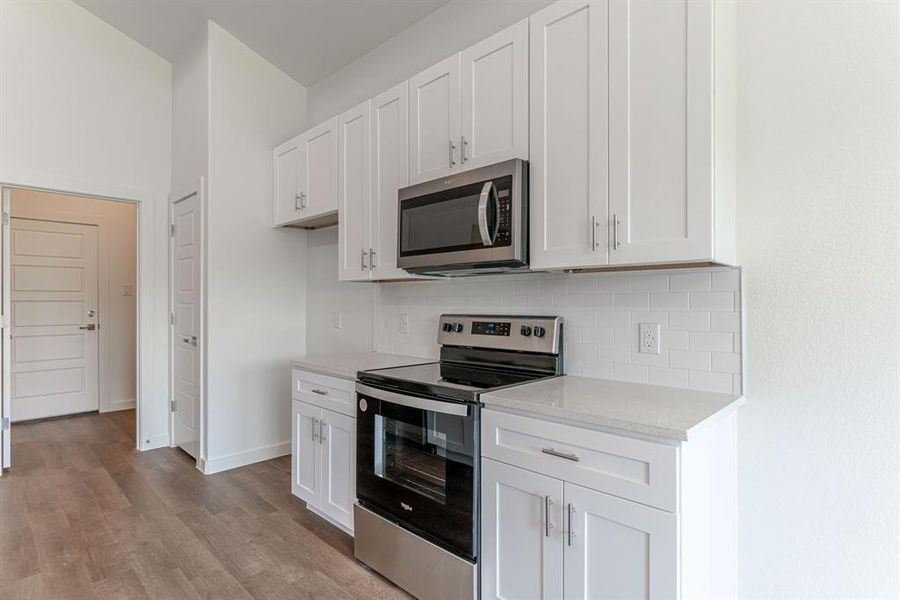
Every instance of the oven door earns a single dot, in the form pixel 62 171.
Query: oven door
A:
pixel 468 220
pixel 417 464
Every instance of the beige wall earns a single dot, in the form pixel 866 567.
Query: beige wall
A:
pixel 117 223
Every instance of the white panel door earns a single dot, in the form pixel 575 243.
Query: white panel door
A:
pixel 434 121
pixel 186 290
pixel 660 115
pixel 390 172
pixel 494 103
pixel 286 181
pixel 54 319
pixel 319 170
pixel 5 392
pixel 306 457
pixel 569 135
pixel 353 193
pixel 338 439
pixel 618 549
pixel 521 533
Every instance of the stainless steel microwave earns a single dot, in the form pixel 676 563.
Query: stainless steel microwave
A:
pixel 466 223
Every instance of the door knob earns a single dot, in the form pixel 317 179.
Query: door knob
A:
pixel 90 327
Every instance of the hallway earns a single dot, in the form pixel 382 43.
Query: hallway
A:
pixel 84 515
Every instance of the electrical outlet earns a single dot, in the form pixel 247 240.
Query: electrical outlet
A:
pixel 404 323
pixel 649 338
pixel 128 290
pixel 336 320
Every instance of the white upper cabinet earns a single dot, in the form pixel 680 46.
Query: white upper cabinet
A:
pixel 494 99
pixel 305 178
pixel 661 131
pixel 569 135
pixel 434 121
pixel 353 193
pixel 390 172
pixel 286 180
pixel 319 170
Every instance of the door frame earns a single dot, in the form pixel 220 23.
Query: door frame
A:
pixel 145 200
pixel 195 188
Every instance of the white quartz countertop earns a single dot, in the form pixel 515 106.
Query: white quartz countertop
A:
pixel 346 366
pixel 653 410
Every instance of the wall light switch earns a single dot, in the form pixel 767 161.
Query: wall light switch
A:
pixel 128 290
pixel 404 323
pixel 649 338
pixel 336 320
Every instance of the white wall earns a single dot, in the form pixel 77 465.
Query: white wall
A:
pixel 451 28
pixel 117 228
pixel 256 289
pixel 190 113
pixel 818 213
pixel 85 109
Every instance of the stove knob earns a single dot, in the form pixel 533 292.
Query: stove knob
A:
pixel 457 327
pixel 447 327
pixel 539 331
pixel 525 330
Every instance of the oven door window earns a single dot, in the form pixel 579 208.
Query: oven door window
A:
pixel 444 222
pixel 413 456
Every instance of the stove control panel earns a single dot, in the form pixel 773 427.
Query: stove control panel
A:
pixel 504 332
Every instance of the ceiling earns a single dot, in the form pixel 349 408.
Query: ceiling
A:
pixel 307 39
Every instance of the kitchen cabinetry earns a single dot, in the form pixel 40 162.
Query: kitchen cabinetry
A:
pixel 306 178
pixel 374 161
pixel 568 504
pixel 323 446
pixel 470 110
pixel 666 133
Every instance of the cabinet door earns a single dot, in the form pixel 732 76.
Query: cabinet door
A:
pixel 319 173
pixel 494 102
pixel 338 467
pixel 618 549
pixel 521 533
pixel 390 172
pixel 286 182
pixel 434 121
pixel 569 135
pixel 660 105
pixel 306 455
pixel 353 192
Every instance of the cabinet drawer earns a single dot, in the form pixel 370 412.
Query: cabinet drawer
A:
pixel 629 468
pixel 331 393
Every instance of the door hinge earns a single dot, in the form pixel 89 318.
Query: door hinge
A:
pixel 6 218
pixel 4 321
pixel 171 318
pixel 172 406
pixel 4 424
pixel 172 230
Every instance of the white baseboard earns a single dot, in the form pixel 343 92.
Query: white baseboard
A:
pixel 240 459
pixel 154 442
pixel 119 405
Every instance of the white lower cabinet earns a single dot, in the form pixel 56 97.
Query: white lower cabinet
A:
pixel 323 448
pixel 545 537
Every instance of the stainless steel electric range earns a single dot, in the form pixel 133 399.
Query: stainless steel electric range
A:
pixel 418 449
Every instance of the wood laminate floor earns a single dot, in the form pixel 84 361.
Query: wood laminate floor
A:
pixel 84 515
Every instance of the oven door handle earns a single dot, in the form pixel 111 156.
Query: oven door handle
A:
pixel 486 238
pixel 445 408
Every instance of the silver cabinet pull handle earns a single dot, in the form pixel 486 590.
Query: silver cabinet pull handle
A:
pixel 319 392
pixel 571 539
pixel 452 150
pixel 303 202
pixel 371 258
pixel 463 142
pixel 616 222
pixel 547 524
pixel 315 430
pixel 362 260
pixel 593 233
pixel 558 454
pixel 322 427
pixel 297 202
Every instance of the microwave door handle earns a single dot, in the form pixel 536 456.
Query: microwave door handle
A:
pixel 482 214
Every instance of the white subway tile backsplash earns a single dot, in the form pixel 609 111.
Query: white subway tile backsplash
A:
pixel 698 312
